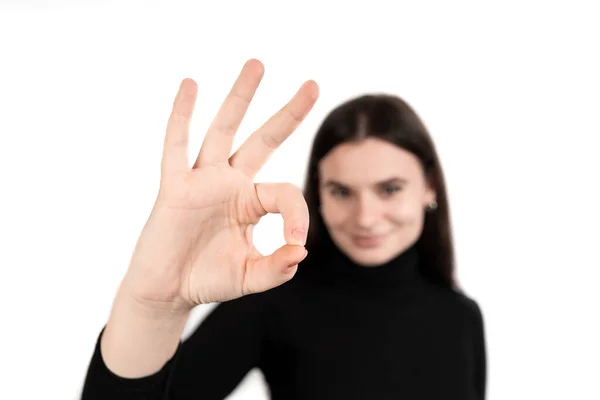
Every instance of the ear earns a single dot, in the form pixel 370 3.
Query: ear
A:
pixel 430 193
pixel 430 196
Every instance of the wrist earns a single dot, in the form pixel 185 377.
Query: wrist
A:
pixel 153 298
pixel 149 309
pixel 138 338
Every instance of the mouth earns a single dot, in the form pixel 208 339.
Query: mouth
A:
pixel 368 241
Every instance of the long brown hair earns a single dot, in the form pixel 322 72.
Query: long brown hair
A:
pixel 389 118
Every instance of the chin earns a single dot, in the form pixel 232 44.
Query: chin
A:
pixel 374 254
pixel 371 257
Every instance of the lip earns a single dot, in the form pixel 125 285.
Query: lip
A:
pixel 368 241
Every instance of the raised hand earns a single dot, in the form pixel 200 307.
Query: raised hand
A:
pixel 196 246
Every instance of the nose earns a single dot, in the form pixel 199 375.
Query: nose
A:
pixel 367 213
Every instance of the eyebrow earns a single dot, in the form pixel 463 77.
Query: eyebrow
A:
pixel 402 181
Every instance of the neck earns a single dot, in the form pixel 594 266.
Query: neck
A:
pixel 400 271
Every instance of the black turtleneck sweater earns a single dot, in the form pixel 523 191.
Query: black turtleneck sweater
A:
pixel 337 330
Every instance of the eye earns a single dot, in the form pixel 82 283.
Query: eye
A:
pixel 339 192
pixel 390 190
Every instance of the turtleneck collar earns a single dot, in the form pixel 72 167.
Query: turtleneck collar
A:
pixel 400 271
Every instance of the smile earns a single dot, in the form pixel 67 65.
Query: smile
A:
pixel 368 241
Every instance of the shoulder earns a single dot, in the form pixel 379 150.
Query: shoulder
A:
pixel 465 302
pixel 470 308
pixel 458 303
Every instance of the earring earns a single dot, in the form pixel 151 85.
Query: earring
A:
pixel 432 206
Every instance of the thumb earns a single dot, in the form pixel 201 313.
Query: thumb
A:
pixel 273 270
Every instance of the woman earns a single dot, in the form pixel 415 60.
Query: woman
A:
pixel 373 312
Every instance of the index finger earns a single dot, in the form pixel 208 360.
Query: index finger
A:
pixel 287 200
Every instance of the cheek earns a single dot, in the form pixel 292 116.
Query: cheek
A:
pixel 335 215
pixel 405 211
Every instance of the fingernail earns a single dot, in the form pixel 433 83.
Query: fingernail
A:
pixel 305 254
pixel 303 257
pixel 300 235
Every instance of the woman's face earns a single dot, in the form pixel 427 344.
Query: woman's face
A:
pixel 373 199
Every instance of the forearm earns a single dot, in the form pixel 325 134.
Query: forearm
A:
pixel 139 340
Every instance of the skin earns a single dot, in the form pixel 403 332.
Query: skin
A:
pixel 196 246
pixel 373 187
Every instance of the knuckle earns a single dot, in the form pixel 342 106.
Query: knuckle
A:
pixel 225 130
pixel 241 97
pixel 294 115
pixel 245 165
pixel 270 141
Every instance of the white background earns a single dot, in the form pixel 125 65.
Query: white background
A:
pixel 510 93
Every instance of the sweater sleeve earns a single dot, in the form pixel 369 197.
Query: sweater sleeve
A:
pixel 209 364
